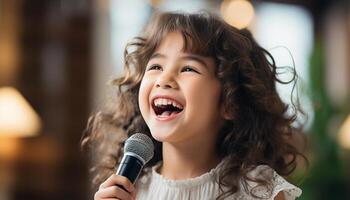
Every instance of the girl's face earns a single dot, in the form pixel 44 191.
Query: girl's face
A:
pixel 179 94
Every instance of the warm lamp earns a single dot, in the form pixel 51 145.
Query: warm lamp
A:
pixel 344 134
pixel 17 117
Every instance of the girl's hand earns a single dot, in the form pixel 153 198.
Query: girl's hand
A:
pixel 111 189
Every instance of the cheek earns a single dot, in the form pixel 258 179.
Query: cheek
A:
pixel 144 92
pixel 206 94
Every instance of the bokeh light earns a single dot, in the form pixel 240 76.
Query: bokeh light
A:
pixel 344 134
pixel 238 13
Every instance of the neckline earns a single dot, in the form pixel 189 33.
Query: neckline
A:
pixel 186 183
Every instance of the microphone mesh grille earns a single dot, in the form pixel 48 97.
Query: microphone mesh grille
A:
pixel 141 145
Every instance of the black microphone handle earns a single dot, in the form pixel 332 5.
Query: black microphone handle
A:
pixel 130 167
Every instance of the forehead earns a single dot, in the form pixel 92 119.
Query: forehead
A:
pixel 176 42
pixel 172 42
pixel 173 45
pixel 188 41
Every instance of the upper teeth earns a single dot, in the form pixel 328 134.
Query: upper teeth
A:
pixel 162 101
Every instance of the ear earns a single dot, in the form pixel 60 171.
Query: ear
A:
pixel 225 113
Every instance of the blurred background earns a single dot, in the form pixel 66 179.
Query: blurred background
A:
pixel 56 57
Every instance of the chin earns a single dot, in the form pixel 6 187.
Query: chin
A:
pixel 160 136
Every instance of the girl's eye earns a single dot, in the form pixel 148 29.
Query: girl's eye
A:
pixel 154 67
pixel 189 69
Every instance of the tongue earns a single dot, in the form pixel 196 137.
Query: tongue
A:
pixel 166 113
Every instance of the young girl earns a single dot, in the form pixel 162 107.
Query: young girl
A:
pixel 205 92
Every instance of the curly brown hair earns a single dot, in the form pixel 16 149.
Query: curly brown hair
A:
pixel 260 129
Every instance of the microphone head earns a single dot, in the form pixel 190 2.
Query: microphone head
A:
pixel 141 146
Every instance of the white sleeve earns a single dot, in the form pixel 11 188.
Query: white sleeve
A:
pixel 278 184
pixel 290 191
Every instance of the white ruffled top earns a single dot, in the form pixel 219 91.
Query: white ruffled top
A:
pixel 153 186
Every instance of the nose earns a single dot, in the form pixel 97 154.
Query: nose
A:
pixel 166 81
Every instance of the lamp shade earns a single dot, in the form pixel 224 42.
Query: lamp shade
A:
pixel 17 117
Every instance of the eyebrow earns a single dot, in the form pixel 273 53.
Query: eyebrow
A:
pixel 185 57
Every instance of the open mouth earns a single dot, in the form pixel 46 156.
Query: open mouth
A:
pixel 164 107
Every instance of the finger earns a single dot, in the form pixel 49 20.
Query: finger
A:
pixel 118 180
pixel 113 192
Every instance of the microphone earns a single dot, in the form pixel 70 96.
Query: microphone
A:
pixel 138 150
